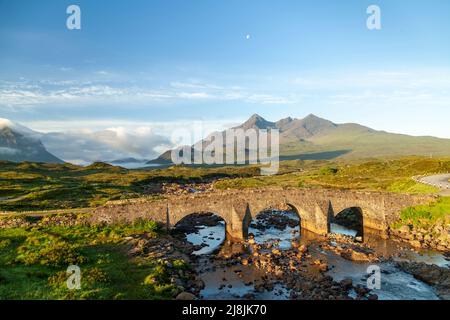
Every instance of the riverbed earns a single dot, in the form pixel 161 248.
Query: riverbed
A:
pixel 237 281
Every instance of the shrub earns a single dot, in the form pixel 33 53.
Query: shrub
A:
pixel 48 250
pixel 4 243
pixel 89 277
pixel 325 171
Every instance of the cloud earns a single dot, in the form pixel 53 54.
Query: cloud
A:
pixel 86 146
pixel 194 95
pixel 8 151
pixel 276 90
pixel 271 99
pixel 86 141
pixel 48 92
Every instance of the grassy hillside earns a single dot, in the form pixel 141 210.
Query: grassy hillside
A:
pixel 359 142
pixel 376 175
pixel 31 186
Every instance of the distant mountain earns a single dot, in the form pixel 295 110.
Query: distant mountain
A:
pixel 18 144
pixel 315 138
pixel 128 160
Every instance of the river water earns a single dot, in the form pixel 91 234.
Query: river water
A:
pixel 238 281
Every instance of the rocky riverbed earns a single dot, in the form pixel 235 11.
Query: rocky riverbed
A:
pixel 276 262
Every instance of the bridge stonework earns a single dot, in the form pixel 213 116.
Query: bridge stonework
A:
pixel 315 207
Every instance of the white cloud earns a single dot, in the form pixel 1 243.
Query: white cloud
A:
pixel 83 142
pixel 87 146
pixel 27 94
pixel 8 151
pixel 271 99
pixel 194 95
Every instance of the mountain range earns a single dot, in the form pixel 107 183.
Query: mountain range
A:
pixel 315 138
pixel 309 138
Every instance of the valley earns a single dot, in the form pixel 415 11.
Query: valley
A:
pixel 49 212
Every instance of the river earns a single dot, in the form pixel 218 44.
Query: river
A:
pixel 224 281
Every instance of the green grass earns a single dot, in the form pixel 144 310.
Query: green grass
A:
pixel 372 175
pixel 426 215
pixel 33 264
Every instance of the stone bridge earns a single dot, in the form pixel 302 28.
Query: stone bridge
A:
pixel 315 207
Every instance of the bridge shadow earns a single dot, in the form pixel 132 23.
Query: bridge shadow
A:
pixel 206 231
pixel 349 221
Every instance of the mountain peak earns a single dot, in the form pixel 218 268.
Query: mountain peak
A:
pixel 256 122
pixel 256 117
pixel 17 128
pixel 18 143
pixel 283 123
pixel 5 123
pixel 312 116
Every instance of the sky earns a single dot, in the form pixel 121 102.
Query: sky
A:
pixel 140 69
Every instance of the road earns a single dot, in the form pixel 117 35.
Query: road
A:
pixel 440 181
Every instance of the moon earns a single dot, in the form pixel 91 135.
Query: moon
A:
pixel 247 37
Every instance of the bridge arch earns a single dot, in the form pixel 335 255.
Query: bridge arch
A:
pixel 200 217
pixel 351 218
pixel 311 217
pixel 206 229
pixel 286 207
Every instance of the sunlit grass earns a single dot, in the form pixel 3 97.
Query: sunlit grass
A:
pixel 426 215
pixel 33 263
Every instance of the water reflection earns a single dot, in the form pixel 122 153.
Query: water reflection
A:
pixel 210 237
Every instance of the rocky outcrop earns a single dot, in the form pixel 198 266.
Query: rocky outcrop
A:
pixel 436 236
pixel 433 275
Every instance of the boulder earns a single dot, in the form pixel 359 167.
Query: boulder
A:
pixel 185 296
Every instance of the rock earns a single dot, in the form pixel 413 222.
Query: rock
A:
pixel 404 229
pixel 346 283
pixel 353 255
pixel 276 252
pixel 185 296
pixel 361 291
pixel 259 288
pixel 416 243
pixel 372 297
pixel 199 284
pixel 249 296
pixel 430 274
pixel 323 267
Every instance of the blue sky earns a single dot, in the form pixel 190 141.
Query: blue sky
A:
pixel 150 63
